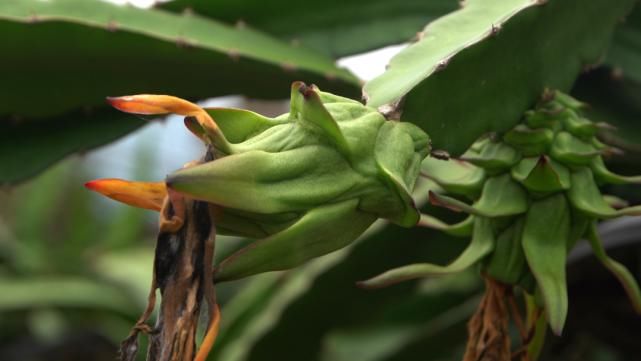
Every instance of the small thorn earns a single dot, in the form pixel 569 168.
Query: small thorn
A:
pixel 440 154
pixel 233 54
pixel 442 64
pixel 188 11
pixel 330 76
pixel 540 2
pixel 288 67
pixel 420 35
pixel 462 3
pixel 241 24
pixel 33 18
pixel 295 42
pixel 112 26
pixel 182 42
pixel 612 151
pixel 606 126
pixel 496 28
pixel 616 73
pixel 548 95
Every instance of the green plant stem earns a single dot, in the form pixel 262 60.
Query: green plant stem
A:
pixel 537 323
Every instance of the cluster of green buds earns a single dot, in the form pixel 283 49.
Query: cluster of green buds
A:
pixel 302 184
pixel 534 193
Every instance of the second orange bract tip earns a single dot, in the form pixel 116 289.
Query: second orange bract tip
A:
pixel 148 195
pixel 148 104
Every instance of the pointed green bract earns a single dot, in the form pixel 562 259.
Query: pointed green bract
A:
pixel 542 175
pixel 569 149
pixel 306 106
pixel 507 262
pixel 482 243
pixel 547 226
pixel 502 196
pixel 321 230
pixel 530 142
pixel 618 270
pixel 493 157
pixel 238 125
pixel 460 229
pixel 400 166
pixel 455 176
pixel 602 174
pixel 585 196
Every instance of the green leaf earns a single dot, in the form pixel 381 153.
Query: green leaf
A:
pixel 320 231
pixel 617 269
pixel 458 77
pixel 334 27
pixel 28 293
pixel 481 244
pixel 118 50
pixel 547 227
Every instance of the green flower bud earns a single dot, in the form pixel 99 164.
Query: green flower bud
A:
pixel 541 198
pixel 305 183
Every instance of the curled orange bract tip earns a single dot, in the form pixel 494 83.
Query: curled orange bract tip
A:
pixel 148 195
pixel 153 104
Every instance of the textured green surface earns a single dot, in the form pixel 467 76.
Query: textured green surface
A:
pixel 61 58
pixel 479 69
pixel 94 49
pixel 334 27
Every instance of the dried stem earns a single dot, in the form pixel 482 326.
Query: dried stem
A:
pixel 183 274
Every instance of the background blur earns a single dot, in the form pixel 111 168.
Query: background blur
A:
pixel 75 268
